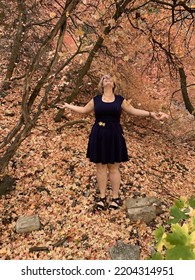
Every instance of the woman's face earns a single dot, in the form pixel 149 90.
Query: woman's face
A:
pixel 108 80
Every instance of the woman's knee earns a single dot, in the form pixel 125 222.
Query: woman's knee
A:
pixel 113 168
pixel 101 168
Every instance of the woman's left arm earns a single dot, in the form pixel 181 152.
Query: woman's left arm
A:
pixel 128 108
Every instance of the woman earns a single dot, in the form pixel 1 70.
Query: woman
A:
pixel 106 146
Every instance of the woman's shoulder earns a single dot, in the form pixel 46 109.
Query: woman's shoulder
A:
pixel 119 97
pixel 96 97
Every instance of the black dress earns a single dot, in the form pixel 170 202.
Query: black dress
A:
pixel 106 141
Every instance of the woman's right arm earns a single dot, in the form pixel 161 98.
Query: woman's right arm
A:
pixel 88 108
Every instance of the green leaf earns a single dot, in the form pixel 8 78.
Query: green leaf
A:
pixel 159 233
pixel 177 215
pixel 178 236
pixel 192 202
pixel 177 243
pixel 157 256
pixel 180 203
pixel 160 238
pixel 180 252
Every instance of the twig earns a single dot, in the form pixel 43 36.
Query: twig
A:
pixel 71 123
pixel 61 241
pixel 38 249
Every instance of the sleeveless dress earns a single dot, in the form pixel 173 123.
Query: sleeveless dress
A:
pixel 106 141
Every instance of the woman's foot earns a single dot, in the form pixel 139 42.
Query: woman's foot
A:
pixel 115 203
pixel 101 203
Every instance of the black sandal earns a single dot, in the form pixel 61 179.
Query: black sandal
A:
pixel 101 203
pixel 117 203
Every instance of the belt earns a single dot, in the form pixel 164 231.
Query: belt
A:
pixel 101 123
pixel 107 123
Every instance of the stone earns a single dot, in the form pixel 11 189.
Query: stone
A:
pixel 9 113
pixel 122 251
pixel 145 209
pixel 28 224
pixel 142 201
pixel 146 214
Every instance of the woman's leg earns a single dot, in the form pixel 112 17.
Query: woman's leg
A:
pixel 101 173
pixel 115 178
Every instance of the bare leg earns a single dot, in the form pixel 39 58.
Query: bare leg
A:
pixel 101 170
pixel 115 178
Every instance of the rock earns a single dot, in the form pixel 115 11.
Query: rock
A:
pixel 140 202
pixel 122 251
pixel 9 113
pixel 7 184
pixel 146 214
pixel 27 224
pixel 145 209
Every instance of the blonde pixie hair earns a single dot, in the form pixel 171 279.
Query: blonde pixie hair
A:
pixel 101 88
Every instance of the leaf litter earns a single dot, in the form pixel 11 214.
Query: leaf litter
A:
pixel 55 180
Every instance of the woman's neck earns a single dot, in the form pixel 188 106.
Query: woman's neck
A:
pixel 108 92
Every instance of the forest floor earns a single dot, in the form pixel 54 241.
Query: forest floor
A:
pixel 55 180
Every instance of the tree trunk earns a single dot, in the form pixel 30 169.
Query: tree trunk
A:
pixel 17 43
pixel 184 91
pixel 4 161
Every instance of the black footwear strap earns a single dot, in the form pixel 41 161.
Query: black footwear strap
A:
pixel 117 201
pixel 101 206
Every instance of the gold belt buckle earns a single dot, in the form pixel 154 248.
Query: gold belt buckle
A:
pixel 101 124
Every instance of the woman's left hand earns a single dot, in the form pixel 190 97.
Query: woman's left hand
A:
pixel 159 116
